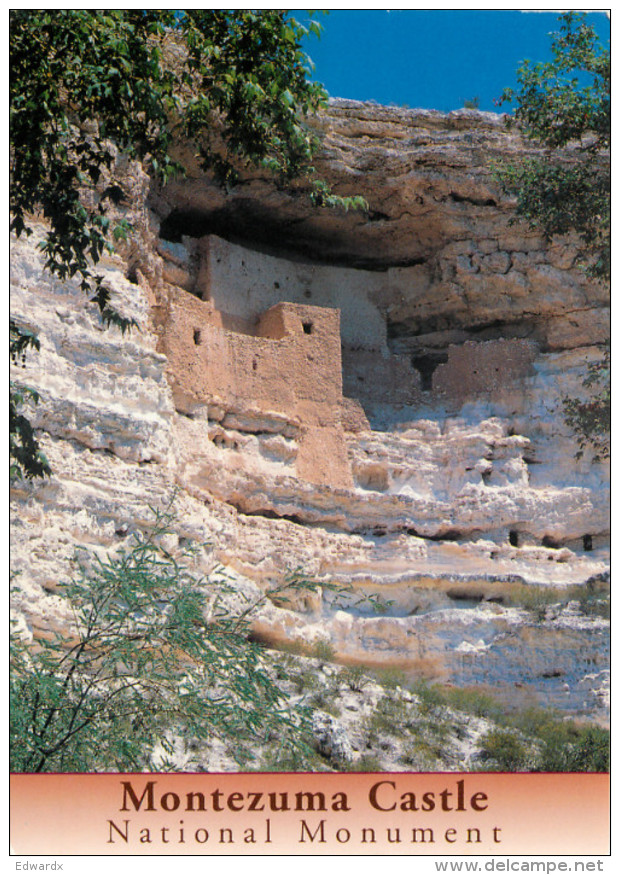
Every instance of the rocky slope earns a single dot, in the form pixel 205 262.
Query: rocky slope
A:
pixel 434 472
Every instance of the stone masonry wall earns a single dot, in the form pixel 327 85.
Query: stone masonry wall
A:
pixel 290 366
pixel 483 368
pixel 244 283
pixel 242 286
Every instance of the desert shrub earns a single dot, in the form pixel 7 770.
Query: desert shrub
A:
pixel 567 748
pixel 506 750
pixel 391 677
pixel 366 763
pixel 594 598
pixel 151 653
pixel 325 700
pixel 305 681
pixel 324 651
pixel 421 754
pixel 429 696
pixel 356 677
pixel 296 648
pixel 536 599
pixel 473 701
pixel 291 760
pixel 389 717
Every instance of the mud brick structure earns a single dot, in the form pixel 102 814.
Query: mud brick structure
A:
pixel 290 364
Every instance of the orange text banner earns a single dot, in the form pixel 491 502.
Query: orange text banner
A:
pixel 307 814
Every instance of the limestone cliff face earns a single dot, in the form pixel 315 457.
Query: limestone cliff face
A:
pixel 376 400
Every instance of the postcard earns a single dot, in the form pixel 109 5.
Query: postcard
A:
pixel 309 435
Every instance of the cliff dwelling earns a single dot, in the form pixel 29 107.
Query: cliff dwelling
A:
pixel 308 342
pixel 377 400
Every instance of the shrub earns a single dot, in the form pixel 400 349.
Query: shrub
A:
pixel 366 763
pixel 356 677
pixel 326 702
pixel 151 654
pixel 536 599
pixel 389 716
pixel 506 750
pixel 305 681
pixel 421 754
pixel 391 677
pixel 324 651
pixel 473 701
pixel 429 696
pixel 574 749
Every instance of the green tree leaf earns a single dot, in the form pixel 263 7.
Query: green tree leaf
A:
pixel 565 103
pixel 86 83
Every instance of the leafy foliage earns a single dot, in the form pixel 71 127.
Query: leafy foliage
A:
pixel 572 749
pixel 591 420
pixel 564 104
pixel 84 83
pixel 530 739
pixel 152 652
pixel 88 83
pixel 25 454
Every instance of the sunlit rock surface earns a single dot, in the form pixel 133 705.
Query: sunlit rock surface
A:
pixel 394 428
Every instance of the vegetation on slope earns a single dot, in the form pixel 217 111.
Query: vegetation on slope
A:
pixel 152 652
pixel 565 105
pixel 157 665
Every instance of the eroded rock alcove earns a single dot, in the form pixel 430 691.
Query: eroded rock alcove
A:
pixel 374 399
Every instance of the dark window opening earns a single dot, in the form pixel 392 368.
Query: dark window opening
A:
pixel 307 327
pixel 587 542
pixel 254 365
pixel 550 542
pixel 307 293
pixel 197 336
pixel 513 538
pixel 426 366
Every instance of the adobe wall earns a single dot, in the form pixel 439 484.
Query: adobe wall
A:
pixel 242 285
pixel 290 366
pixel 370 376
pixel 245 283
pixel 471 370
pixel 242 348
pixel 486 368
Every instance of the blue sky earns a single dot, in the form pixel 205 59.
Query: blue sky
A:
pixel 435 59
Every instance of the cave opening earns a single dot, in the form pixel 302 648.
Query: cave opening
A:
pixel 426 365
pixel 184 223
